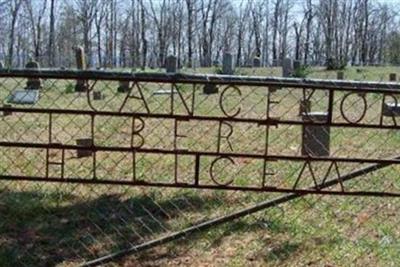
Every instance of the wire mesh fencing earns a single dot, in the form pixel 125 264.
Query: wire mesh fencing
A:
pixel 120 168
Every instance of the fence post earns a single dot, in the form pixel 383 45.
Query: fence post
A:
pixel 81 85
pixel 33 83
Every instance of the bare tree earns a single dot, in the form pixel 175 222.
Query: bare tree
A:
pixel 14 9
pixel 36 15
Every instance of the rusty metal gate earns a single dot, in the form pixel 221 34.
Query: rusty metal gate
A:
pixel 193 131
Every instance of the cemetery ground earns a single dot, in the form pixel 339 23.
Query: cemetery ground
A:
pixel 64 224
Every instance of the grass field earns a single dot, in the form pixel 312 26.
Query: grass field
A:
pixel 63 225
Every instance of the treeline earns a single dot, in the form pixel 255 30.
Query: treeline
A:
pixel 141 33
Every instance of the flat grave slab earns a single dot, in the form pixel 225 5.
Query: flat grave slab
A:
pixel 24 97
pixel 164 92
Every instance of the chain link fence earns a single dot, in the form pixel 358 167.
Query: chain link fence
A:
pixel 184 169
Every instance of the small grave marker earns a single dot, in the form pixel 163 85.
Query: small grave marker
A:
pixel 97 95
pixel 392 77
pixel 315 138
pixel 340 75
pixel 33 83
pixel 210 88
pixel 123 87
pixel 85 142
pixel 256 62
pixel 7 112
pixel 296 65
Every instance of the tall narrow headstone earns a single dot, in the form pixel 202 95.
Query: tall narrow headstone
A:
pixel 256 62
pixel 81 85
pixel 33 83
pixel 287 67
pixel 227 64
pixel 171 64
pixel 296 64
pixel 1 65
pixel 340 75
pixel 392 77
pixel 316 138
pixel 80 58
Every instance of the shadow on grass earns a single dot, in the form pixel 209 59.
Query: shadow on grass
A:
pixel 36 232
pixel 282 252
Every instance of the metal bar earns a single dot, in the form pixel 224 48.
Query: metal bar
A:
pixel 266 122
pixel 200 186
pixel 318 84
pixel 270 157
pixel 224 219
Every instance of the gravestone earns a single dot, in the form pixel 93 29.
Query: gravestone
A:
pixel 256 62
pixel 81 85
pixel 315 138
pixel 33 83
pixel 7 112
pixel 276 62
pixel 340 75
pixel 210 88
pixel 170 64
pixel 80 58
pixel 24 97
pixel 85 142
pixel 215 63
pixel 97 95
pixel 391 109
pixel 296 65
pixel 123 87
pixel 305 106
pixel 1 65
pixel 287 67
pixel 227 64
pixel 392 77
